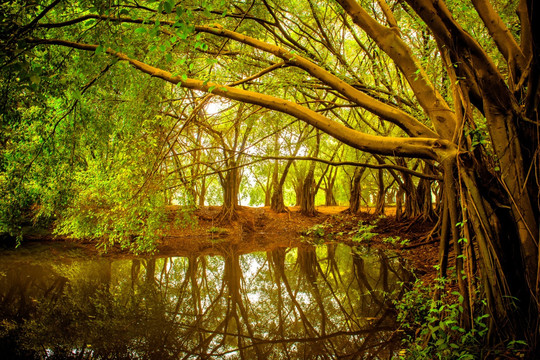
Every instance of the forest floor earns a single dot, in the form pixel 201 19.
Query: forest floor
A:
pixel 261 229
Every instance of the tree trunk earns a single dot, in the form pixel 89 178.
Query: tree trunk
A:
pixel 307 205
pixel 202 192
pixel 329 198
pixel 268 197
pixel 231 185
pixel 412 209
pixel 423 192
pixel 298 192
pixel 380 203
pixel 278 205
pixel 399 203
pixel 356 190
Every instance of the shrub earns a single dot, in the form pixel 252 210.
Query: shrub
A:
pixel 432 327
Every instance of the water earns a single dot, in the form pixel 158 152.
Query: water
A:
pixel 310 302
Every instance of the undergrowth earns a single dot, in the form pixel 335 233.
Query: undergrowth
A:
pixel 361 232
pixel 433 328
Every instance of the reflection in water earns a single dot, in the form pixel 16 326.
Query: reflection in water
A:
pixel 323 302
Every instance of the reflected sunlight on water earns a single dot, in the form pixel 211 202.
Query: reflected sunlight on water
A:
pixel 329 301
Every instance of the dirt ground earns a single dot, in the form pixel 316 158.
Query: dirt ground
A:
pixel 261 229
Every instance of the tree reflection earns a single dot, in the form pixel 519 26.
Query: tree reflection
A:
pixel 320 302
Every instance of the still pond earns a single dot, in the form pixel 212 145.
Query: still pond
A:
pixel 307 302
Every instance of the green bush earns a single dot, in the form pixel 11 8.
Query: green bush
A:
pixel 433 328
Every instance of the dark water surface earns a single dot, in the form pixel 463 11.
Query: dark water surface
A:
pixel 311 302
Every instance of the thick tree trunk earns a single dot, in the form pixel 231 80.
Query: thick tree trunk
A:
pixel 307 205
pixel 231 185
pixel 268 197
pixel 298 192
pixel 502 265
pixel 412 209
pixel 278 205
pixel 425 202
pixel 329 198
pixel 355 199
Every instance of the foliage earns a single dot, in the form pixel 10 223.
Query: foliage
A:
pixel 363 232
pixel 111 203
pixel 217 230
pixel 395 240
pixel 317 230
pixel 433 327
pixel 184 217
pixel 133 225
pixel 317 234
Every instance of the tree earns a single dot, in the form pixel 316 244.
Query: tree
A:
pixel 474 113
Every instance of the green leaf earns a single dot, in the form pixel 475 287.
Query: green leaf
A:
pixel 440 342
pixel 100 49
pixel 141 30
pixel 211 88
pixel 167 7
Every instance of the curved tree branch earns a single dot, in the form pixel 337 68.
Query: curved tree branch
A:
pixel 504 40
pixel 405 121
pixel 391 43
pixel 420 147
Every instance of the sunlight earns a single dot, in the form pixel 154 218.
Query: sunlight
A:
pixel 215 106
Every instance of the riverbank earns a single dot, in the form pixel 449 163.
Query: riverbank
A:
pixel 260 227
pixel 256 228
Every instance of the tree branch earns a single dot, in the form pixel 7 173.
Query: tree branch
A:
pixel 504 40
pixel 421 147
pixel 391 43
pixel 405 121
pixel 353 163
